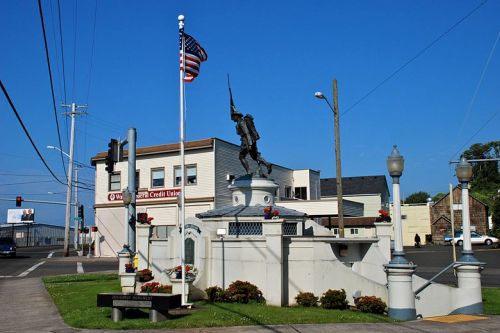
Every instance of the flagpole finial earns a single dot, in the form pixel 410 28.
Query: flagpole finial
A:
pixel 181 21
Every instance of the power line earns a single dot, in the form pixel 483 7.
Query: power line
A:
pixel 62 50
pixel 51 84
pixel 477 132
pixel 92 53
pixel 419 53
pixel 75 29
pixel 473 99
pixel 27 133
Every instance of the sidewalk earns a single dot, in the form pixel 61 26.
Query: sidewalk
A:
pixel 26 306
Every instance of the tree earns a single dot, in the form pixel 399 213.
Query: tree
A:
pixel 485 175
pixel 417 197
pixel 495 216
pixel 438 196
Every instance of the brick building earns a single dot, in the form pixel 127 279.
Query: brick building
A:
pixel 441 219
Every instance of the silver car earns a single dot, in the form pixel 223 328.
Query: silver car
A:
pixel 475 239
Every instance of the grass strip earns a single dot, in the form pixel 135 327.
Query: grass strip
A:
pixel 75 297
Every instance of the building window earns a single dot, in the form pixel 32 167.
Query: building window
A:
pixel 301 193
pixel 137 180
pixel 191 175
pixel 158 177
pixel 114 181
pixel 288 192
pixel 354 231
pixel 189 246
pixel 335 231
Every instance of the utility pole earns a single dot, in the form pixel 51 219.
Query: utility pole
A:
pixel 340 204
pixel 72 114
pixel 131 214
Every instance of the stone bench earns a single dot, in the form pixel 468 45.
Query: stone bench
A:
pixel 158 304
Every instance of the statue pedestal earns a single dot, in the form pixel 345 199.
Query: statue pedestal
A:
pixel 252 190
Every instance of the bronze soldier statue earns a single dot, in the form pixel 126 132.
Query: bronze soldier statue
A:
pixel 245 128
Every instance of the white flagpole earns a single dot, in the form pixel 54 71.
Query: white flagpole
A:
pixel 182 211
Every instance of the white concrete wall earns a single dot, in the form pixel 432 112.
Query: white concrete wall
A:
pixel 111 231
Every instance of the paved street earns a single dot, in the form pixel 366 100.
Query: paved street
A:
pixel 44 261
pixel 433 258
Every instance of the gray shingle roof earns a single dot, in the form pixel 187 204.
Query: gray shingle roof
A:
pixel 250 211
pixel 355 185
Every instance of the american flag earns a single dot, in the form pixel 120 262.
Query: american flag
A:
pixel 195 55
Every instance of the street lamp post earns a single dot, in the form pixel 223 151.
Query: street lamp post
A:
pixel 68 201
pixel 395 166
pixel 464 175
pixel 338 171
pixel 399 270
pixel 468 268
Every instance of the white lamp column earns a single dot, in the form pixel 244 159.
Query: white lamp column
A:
pixel 399 270
pixel 468 268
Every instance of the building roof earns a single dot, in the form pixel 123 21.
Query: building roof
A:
pixel 248 211
pixel 160 149
pixel 355 185
pixel 365 221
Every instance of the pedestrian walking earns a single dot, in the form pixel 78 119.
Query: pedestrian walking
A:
pixel 417 240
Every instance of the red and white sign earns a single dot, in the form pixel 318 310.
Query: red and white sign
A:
pixel 158 194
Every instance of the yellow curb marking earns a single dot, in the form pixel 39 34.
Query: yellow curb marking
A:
pixel 458 318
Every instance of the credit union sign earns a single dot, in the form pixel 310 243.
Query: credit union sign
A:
pixel 158 194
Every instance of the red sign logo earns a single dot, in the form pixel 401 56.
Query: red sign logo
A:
pixel 158 194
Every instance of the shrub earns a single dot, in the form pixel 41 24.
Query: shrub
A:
pixel 334 299
pixel 243 292
pixel 156 287
pixel 216 294
pixel 370 304
pixel 306 299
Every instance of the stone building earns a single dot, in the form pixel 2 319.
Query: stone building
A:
pixel 441 218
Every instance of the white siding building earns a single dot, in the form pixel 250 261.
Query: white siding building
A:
pixel 211 164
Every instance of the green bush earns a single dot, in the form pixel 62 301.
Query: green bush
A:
pixel 370 304
pixel 334 299
pixel 216 294
pixel 306 299
pixel 243 292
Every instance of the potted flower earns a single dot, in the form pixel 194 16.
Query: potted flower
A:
pixel 383 217
pixel 129 268
pixel 145 275
pixel 156 287
pixel 176 272
pixel 270 213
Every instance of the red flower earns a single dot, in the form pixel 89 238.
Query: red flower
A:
pixel 276 212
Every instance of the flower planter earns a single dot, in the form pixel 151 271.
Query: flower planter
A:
pixel 127 282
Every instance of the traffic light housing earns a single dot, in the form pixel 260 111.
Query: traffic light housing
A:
pixel 112 156
pixel 81 211
pixel 19 200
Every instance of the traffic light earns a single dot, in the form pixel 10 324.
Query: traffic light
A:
pixel 142 217
pixel 112 156
pixel 80 211
pixel 19 200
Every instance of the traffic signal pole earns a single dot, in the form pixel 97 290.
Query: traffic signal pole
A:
pixel 76 236
pixel 131 216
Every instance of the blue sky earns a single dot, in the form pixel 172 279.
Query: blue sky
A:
pixel 278 54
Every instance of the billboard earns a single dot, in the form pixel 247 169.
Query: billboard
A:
pixel 26 215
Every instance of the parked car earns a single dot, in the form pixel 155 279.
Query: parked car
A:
pixel 448 238
pixel 7 246
pixel 475 239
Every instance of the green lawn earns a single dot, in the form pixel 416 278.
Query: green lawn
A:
pixel 75 297
pixel 491 301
